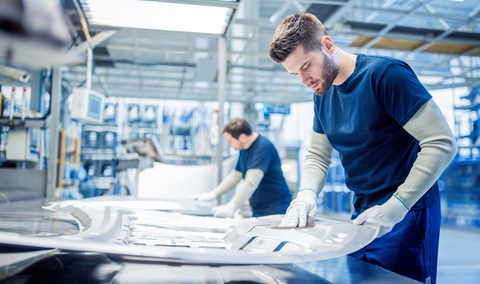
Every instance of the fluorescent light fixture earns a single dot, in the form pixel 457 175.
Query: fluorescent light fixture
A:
pixel 158 15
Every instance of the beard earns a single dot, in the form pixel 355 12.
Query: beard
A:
pixel 329 73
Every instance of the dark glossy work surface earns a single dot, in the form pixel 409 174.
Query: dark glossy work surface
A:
pixel 63 267
pixel 27 265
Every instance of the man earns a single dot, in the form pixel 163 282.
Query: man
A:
pixel 259 164
pixel 393 141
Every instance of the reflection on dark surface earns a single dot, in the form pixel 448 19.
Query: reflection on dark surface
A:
pixel 67 268
pixel 98 268
pixel 12 262
pixel 37 224
pixel 84 267
pixel 349 270
pixel 29 218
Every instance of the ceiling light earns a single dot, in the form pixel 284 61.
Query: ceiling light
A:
pixel 159 15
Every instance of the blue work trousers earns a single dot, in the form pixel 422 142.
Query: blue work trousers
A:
pixel 411 248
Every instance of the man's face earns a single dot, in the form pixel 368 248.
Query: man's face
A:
pixel 237 144
pixel 315 69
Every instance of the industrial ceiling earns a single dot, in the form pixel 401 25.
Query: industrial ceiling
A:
pixel 440 39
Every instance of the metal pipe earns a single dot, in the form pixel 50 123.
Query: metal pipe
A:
pixel 24 103
pixel 53 126
pixel 12 102
pixel 222 74
pixel 83 22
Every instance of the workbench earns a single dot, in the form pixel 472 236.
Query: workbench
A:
pixel 34 265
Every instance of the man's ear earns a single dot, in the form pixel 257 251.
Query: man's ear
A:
pixel 328 45
pixel 242 137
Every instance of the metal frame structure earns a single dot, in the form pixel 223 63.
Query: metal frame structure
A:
pixel 433 36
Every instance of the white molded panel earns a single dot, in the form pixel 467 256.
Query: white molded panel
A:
pixel 162 236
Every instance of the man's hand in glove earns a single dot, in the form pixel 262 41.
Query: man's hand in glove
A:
pixel 224 211
pixel 387 215
pixel 304 205
pixel 206 196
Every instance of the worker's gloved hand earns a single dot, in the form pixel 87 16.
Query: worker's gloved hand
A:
pixel 206 196
pixel 304 205
pixel 224 211
pixel 386 215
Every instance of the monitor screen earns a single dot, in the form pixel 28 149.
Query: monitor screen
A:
pixel 94 106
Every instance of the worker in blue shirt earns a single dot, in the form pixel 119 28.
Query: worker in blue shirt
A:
pixel 260 166
pixel 393 141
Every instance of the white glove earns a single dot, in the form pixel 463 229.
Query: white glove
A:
pixel 206 196
pixel 304 205
pixel 224 211
pixel 387 215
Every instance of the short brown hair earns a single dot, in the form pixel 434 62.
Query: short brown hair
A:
pixel 297 29
pixel 236 127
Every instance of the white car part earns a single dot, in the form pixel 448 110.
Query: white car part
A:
pixel 143 235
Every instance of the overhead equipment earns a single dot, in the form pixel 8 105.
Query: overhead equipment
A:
pixel 87 105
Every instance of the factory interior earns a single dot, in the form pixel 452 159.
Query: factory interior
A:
pixel 112 116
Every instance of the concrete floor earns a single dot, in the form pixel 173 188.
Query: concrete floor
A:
pixel 459 256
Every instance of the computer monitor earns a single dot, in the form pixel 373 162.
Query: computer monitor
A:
pixel 87 105
pixel 94 106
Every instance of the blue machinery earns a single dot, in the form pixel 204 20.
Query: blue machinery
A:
pixel 460 184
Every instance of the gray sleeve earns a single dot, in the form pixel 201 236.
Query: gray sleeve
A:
pixel 253 177
pixel 317 162
pixel 438 148
pixel 228 182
